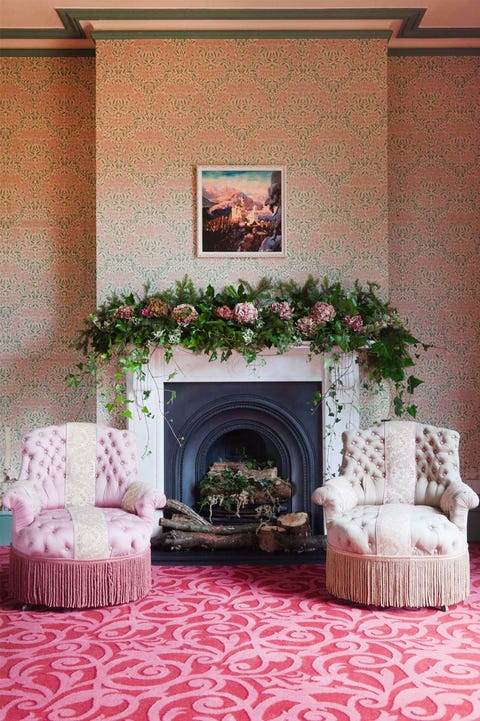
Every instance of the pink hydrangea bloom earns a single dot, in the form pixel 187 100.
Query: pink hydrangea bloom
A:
pixel 245 313
pixel 145 312
pixel 355 322
pixel 322 312
pixel 124 312
pixel 307 326
pixel 282 309
pixel 224 312
pixel 184 314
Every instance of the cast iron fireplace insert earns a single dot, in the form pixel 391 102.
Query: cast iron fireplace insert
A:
pixel 270 421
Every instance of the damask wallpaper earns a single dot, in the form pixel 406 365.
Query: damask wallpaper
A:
pixel 316 107
pixel 380 155
pixel 47 250
pixel 434 202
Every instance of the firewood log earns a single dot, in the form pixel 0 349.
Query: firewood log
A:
pixel 181 540
pixel 295 524
pixel 269 538
pixel 180 524
pixel 301 544
pixel 184 510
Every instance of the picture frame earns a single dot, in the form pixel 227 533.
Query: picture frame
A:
pixel 241 211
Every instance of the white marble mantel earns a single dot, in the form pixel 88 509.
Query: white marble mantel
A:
pixel 294 365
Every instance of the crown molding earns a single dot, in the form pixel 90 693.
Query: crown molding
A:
pixel 48 52
pixel 457 52
pixel 242 34
pixel 410 19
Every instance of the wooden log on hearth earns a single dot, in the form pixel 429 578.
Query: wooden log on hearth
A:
pixel 178 523
pixel 291 533
pixel 182 540
pixel 269 538
pixel 295 524
pixel 278 489
pixel 273 539
pixel 219 467
pixel 301 544
pixel 183 510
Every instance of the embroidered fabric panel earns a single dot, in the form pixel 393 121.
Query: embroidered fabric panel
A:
pixel 393 536
pixel 400 462
pixel 81 464
pixel 90 533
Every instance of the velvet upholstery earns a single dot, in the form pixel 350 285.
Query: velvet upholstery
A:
pixel 396 517
pixel 82 520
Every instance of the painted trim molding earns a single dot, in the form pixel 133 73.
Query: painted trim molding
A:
pixel 396 52
pixel 72 19
pixel 48 52
pixel 239 34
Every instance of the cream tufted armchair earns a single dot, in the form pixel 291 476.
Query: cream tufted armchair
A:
pixel 82 520
pixel 396 518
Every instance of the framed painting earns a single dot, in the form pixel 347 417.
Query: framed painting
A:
pixel 241 211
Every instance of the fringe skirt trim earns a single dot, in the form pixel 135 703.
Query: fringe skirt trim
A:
pixel 59 583
pixel 416 581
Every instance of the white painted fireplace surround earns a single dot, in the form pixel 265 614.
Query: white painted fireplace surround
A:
pixel 294 365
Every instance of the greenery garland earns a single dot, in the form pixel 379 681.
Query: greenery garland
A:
pixel 245 318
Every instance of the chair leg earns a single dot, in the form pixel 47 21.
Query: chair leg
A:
pixel 53 609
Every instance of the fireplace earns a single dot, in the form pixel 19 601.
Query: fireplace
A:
pixel 267 407
pixel 274 422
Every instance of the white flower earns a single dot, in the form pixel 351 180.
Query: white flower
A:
pixel 248 335
pixel 175 336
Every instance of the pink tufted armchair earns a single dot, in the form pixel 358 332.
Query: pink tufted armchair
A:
pixel 82 520
pixel 396 518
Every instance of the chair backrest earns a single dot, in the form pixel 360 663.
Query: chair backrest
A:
pixel 401 461
pixel 79 463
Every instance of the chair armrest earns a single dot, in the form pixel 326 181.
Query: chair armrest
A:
pixel 142 499
pixel 457 499
pixel 24 501
pixel 337 496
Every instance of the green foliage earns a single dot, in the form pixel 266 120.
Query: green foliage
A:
pixel 126 328
pixel 232 490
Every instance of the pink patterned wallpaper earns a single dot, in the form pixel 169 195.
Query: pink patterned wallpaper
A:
pixel 165 107
pixel 320 108
pixel 47 252
pixel 434 198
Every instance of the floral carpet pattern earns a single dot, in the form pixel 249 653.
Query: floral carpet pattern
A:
pixel 240 643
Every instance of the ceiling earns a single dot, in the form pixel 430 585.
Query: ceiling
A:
pixel 73 26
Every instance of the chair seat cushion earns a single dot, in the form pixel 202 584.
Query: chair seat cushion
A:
pixel 396 529
pixel 84 533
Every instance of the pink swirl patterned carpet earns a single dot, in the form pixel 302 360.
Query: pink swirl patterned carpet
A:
pixel 240 643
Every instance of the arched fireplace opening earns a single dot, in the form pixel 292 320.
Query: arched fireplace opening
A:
pixel 266 421
pixel 238 444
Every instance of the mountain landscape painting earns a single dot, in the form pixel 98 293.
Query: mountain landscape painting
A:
pixel 240 211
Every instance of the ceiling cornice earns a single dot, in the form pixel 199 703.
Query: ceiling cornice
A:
pixel 91 24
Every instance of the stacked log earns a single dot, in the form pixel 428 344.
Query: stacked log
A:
pixel 186 529
pixel 232 490
pixel 291 532
pixel 240 467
